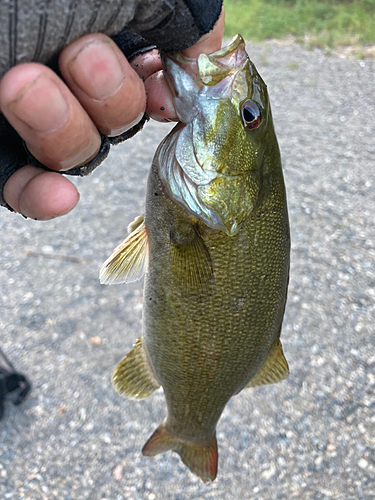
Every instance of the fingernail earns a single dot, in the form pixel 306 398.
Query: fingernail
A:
pixel 41 105
pixel 96 70
pixel 121 130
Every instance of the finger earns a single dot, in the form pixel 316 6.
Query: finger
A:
pixel 160 104
pixel 159 97
pixel 105 84
pixel 40 195
pixel 56 129
pixel 146 64
pixel 210 42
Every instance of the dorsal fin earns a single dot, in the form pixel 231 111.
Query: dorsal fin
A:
pixel 128 261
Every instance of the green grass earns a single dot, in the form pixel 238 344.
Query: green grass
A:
pixel 328 22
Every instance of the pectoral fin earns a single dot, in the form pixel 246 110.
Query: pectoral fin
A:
pixel 132 377
pixel 190 260
pixel 274 369
pixel 128 261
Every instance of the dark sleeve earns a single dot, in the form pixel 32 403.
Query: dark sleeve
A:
pixel 179 27
pixel 169 25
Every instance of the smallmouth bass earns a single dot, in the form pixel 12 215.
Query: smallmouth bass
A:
pixel 215 245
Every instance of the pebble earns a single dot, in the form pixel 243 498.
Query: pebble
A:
pixel 363 464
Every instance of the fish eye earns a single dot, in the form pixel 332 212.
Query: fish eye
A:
pixel 250 114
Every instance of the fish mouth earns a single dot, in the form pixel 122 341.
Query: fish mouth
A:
pixel 213 68
pixel 201 88
pixel 189 77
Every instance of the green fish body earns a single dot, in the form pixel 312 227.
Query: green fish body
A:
pixel 215 242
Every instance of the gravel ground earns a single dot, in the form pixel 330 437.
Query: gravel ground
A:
pixel 310 437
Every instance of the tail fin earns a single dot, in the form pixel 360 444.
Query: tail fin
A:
pixel 201 459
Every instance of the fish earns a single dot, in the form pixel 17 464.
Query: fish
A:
pixel 214 246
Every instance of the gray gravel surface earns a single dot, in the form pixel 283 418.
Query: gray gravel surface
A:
pixel 310 437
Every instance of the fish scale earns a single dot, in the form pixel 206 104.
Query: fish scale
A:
pixel 217 261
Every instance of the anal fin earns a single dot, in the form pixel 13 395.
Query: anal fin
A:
pixel 274 369
pixel 128 261
pixel 201 459
pixel 132 377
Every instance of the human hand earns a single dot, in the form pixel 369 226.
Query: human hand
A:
pixel 59 121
